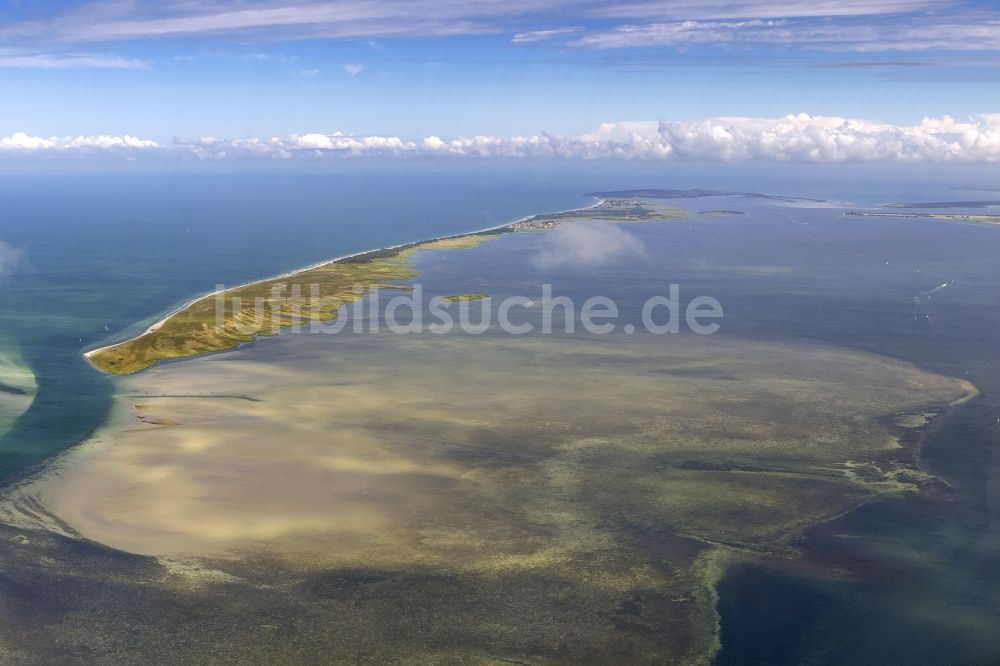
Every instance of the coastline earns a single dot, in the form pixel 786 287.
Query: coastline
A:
pixel 354 255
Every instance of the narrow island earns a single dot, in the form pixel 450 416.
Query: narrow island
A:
pixel 945 204
pixel 719 213
pixel 655 193
pixel 263 308
pixel 226 319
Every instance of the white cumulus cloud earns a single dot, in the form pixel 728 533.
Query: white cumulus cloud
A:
pixel 805 138
pixel 586 244
pixel 792 138
pixel 20 142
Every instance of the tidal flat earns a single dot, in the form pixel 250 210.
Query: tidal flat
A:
pixel 470 496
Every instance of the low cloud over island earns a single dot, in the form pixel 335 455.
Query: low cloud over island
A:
pixel 586 245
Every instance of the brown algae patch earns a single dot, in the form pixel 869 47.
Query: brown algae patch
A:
pixel 457 298
pixel 578 495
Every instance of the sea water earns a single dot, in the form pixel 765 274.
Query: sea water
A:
pixel 915 578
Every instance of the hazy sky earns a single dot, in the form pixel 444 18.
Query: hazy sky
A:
pixel 823 80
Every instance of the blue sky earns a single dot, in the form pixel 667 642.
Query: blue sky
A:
pixel 178 72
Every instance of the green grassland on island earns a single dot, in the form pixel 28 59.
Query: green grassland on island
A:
pixel 227 319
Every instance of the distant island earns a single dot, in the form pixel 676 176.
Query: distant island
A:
pixel 945 204
pixel 621 209
pixel 693 194
pixel 953 217
pixel 720 213
pixel 977 188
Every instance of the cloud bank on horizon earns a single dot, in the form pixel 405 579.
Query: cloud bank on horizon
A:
pixel 793 138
